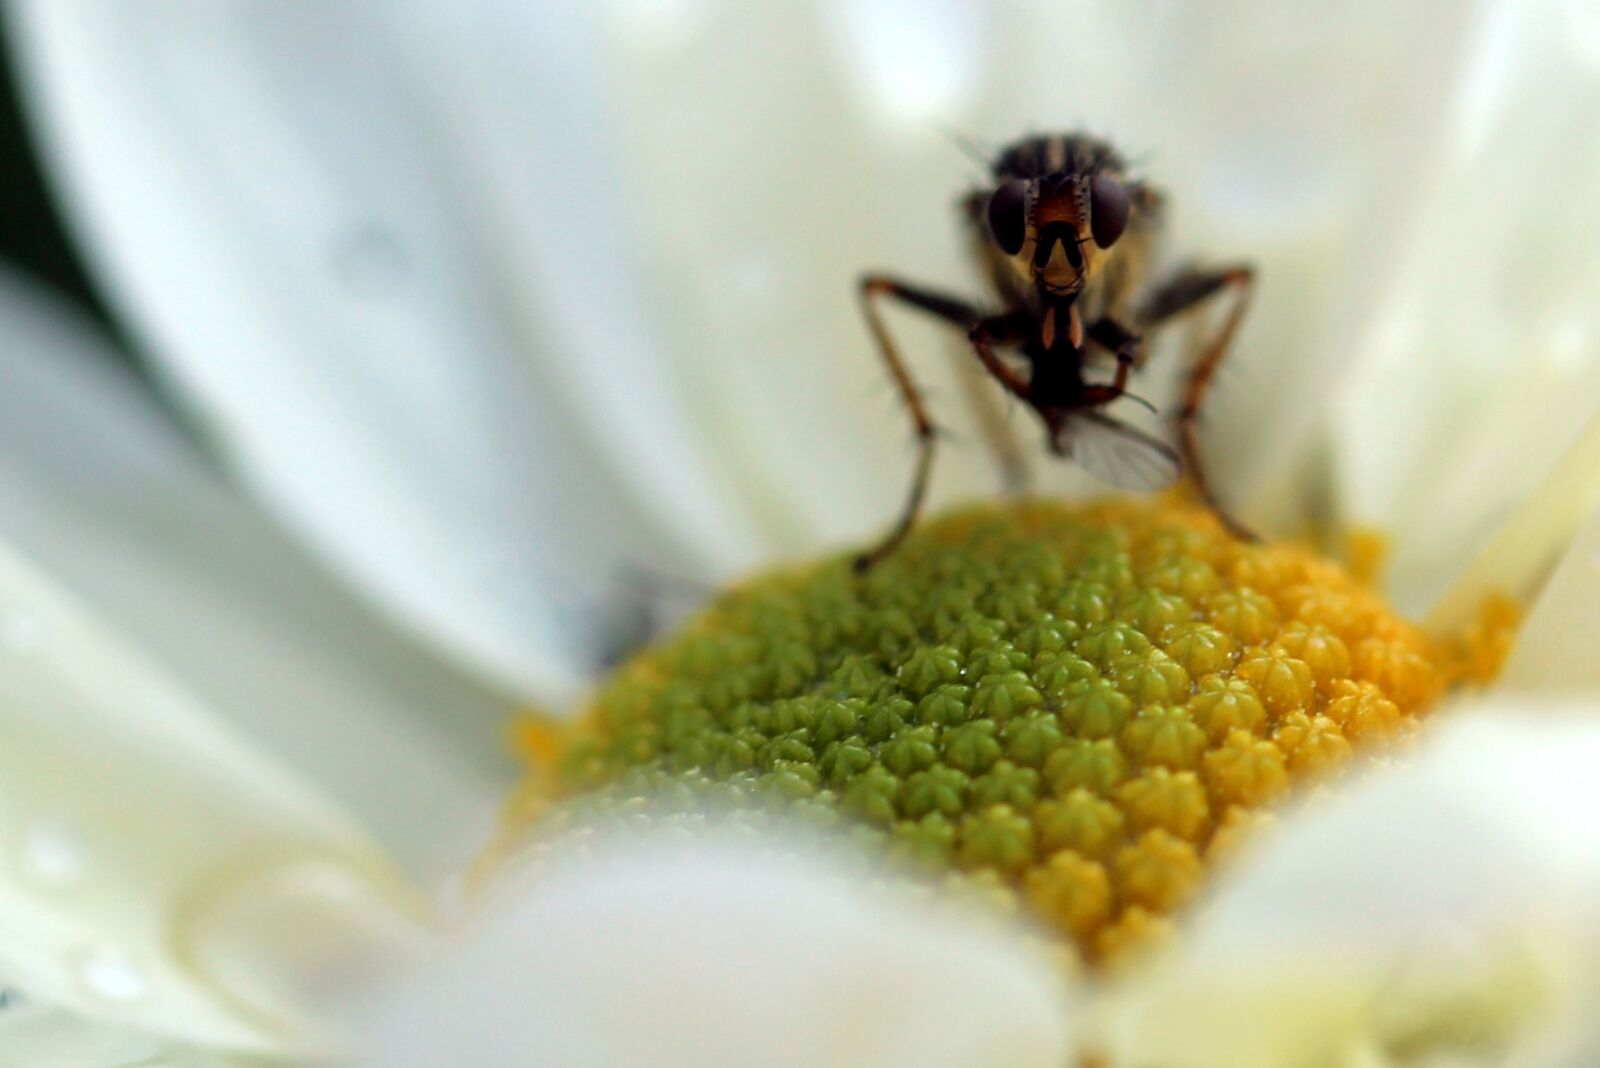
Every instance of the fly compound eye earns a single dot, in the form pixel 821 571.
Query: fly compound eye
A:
pixel 1108 209
pixel 1008 220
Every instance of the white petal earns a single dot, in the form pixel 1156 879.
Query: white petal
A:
pixel 38 1036
pixel 159 873
pixel 1479 367
pixel 915 60
pixel 97 488
pixel 812 164
pixel 653 953
pixel 1555 647
pixel 1448 907
pixel 1544 556
pixel 305 213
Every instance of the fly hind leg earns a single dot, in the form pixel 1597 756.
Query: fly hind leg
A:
pixel 1016 474
pixel 1180 294
pixel 980 333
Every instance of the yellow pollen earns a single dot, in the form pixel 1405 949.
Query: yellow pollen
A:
pixel 1080 708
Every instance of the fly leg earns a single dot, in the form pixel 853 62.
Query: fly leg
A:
pixel 1123 344
pixel 1183 293
pixel 1015 472
pixel 1128 348
pixel 979 331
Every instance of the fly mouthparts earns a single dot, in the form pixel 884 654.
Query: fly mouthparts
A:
pixel 1052 234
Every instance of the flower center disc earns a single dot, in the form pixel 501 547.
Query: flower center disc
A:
pixel 1084 706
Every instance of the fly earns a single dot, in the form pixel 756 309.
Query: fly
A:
pixel 1065 237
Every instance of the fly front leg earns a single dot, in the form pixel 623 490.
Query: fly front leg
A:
pixel 1125 346
pixel 1128 349
pixel 985 334
pixel 957 313
pixel 1180 294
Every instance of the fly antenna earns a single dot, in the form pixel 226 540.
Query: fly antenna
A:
pixel 965 146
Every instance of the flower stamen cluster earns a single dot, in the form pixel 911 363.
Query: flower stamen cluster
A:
pixel 1086 705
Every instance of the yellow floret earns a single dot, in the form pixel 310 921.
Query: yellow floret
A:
pixel 1079 707
pixel 1071 891
pixel 1159 870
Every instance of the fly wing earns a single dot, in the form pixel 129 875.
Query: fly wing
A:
pixel 1115 452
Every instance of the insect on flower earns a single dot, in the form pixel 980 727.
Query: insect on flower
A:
pixel 1066 238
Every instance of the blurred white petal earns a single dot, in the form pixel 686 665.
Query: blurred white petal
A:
pixel 1449 907
pixel 1543 556
pixel 916 60
pixel 98 489
pixel 163 875
pixel 1556 644
pixel 39 1036
pixel 340 231
pixel 797 181
pixel 711 955
pixel 1480 367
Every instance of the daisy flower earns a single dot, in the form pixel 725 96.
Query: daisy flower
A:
pixel 494 311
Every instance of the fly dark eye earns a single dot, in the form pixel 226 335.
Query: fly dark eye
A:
pixel 1008 223
pixel 1108 209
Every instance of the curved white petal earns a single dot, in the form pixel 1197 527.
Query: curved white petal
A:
pixel 1446 908
pixel 1479 367
pixel 100 491
pixel 710 955
pixel 338 230
pixel 156 872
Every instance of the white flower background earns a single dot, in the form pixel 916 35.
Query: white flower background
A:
pixel 488 312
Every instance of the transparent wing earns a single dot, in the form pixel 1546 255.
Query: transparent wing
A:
pixel 1115 452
